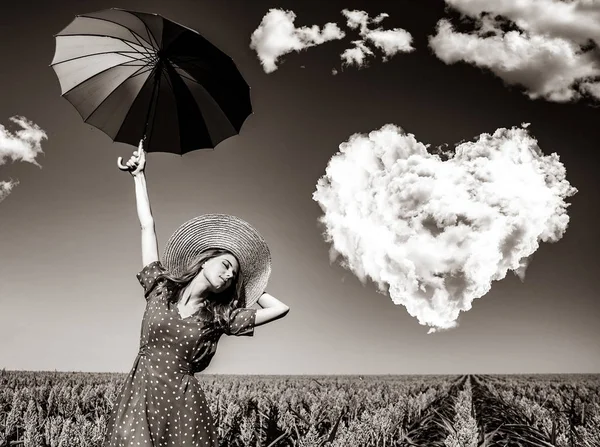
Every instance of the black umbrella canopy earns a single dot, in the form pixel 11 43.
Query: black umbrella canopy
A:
pixel 134 74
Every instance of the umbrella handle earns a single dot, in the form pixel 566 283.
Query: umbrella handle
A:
pixel 120 164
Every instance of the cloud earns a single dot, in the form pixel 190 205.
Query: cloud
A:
pixel 434 234
pixel 551 49
pixel 356 55
pixel 22 145
pixel 390 42
pixel 360 19
pixel 577 20
pixel 6 188
pixel 276 36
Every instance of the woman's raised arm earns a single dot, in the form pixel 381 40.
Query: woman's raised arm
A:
pixel 135 165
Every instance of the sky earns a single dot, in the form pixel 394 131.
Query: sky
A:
pixel 334 169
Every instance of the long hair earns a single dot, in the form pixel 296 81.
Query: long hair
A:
pixel 217 305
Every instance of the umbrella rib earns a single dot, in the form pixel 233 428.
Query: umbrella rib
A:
pixel 154 89
pixel 187 77
pixel 184 74
pixel 151 34
pixel 190 61
pixel 180 71
pixel 142 71
pixel 137 73
pixel 169 81
pixel 123 53
pixel 133 33
pixel 99 73
pixel 129 44
pixel 151 45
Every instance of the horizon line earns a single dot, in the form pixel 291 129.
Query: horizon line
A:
pixel 316 374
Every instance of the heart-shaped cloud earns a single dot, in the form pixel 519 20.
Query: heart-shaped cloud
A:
pixel 434 233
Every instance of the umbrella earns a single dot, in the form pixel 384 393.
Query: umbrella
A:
pixel 139 76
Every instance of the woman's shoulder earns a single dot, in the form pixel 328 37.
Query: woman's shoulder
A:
pixel 154 278
pixel 152 270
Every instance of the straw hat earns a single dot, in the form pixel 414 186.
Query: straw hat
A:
pixel 225 232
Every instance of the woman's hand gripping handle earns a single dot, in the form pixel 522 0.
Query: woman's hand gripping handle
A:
pixel 136 163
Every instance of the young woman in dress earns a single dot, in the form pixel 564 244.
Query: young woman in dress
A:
pixel 214 268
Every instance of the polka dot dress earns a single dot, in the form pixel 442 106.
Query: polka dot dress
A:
pixel 161 402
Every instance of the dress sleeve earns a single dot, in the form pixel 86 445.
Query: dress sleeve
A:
pixel 147 276
pixel 241 322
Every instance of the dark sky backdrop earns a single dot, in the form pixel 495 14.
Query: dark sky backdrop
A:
pixel 69 235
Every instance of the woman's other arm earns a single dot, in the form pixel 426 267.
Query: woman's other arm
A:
pixel 136 165
pixel 272 309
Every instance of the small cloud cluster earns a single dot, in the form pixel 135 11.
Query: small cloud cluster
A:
pixel 550 48
pixel 435 233
pixel 22 145
pixel 390 41
pixel 277 36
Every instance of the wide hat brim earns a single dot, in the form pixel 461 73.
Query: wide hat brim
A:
pixel 227 232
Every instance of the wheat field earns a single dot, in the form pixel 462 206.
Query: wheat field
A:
pixel 58 409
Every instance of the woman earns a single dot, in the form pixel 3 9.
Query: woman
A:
pixel 214 268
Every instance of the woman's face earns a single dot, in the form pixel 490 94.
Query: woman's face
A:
pixel 220 271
